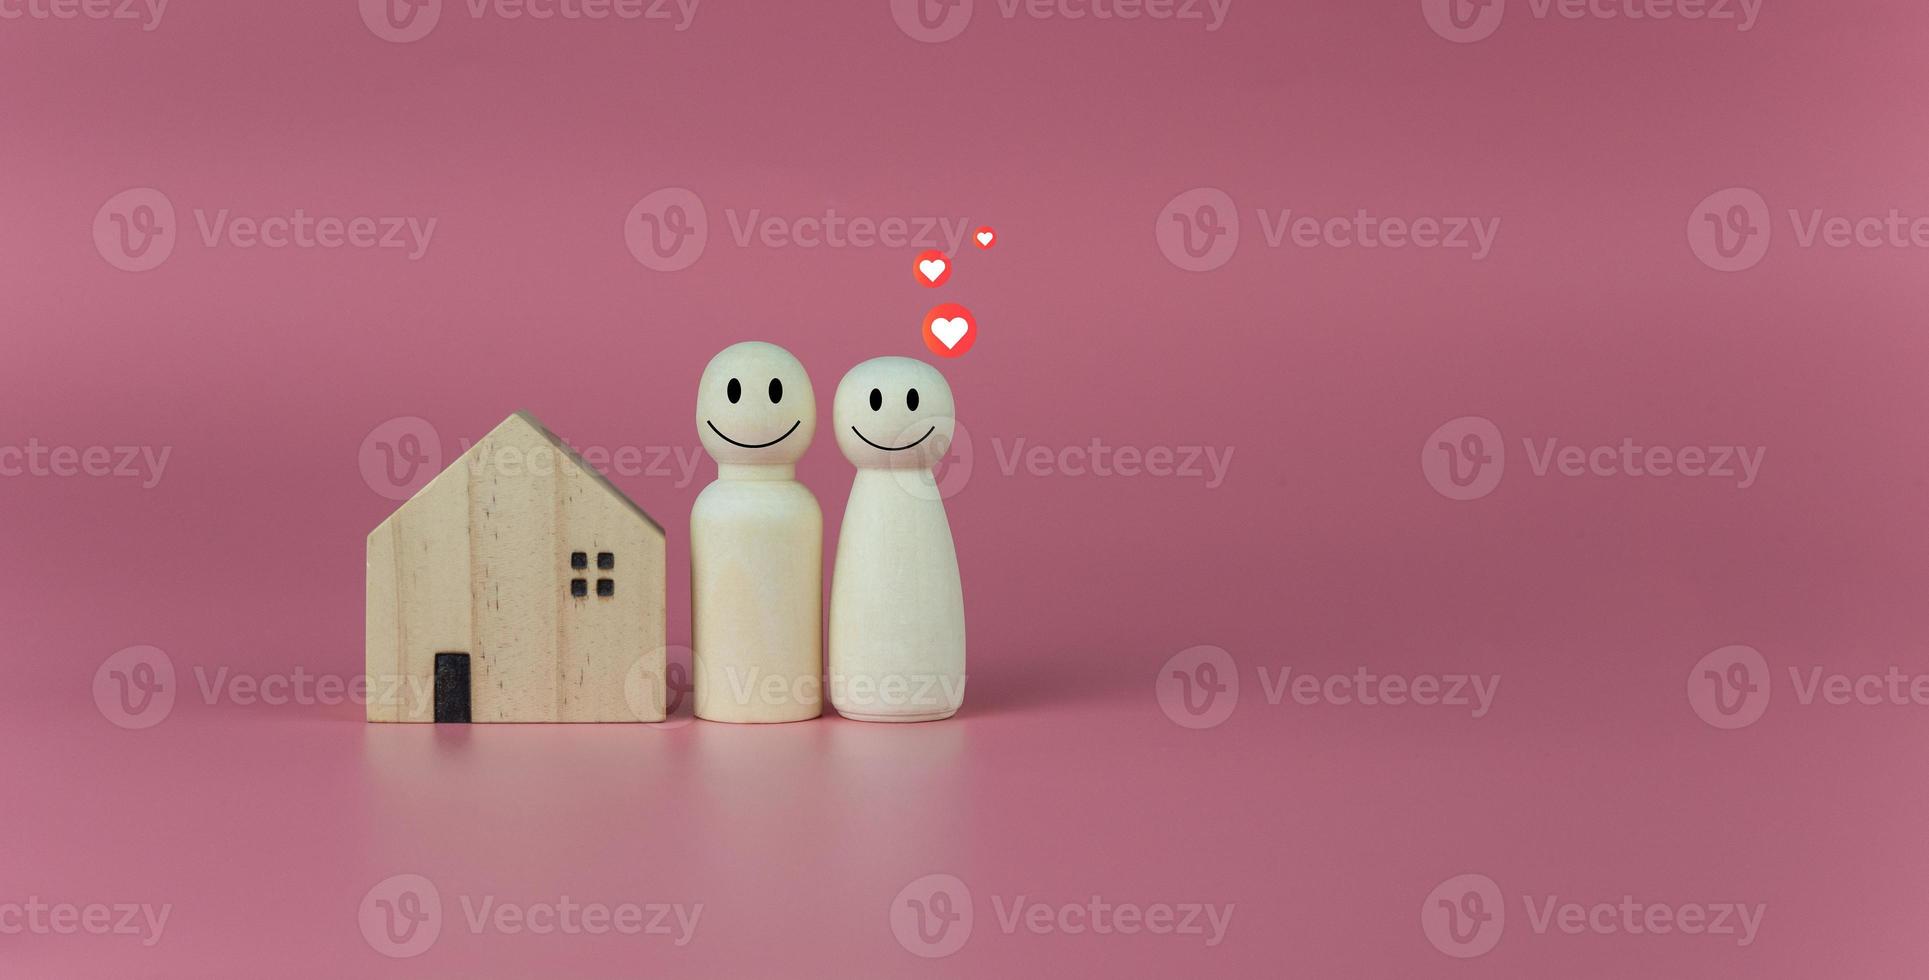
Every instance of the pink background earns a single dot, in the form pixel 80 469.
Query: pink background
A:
pixel 1325 549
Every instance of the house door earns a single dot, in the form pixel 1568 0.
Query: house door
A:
pixel 451 687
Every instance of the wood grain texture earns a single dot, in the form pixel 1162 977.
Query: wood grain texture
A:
pixel 480 562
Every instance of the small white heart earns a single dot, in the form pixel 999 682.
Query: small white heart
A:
pixel 950 330
pixel 931 269
pixel 984 238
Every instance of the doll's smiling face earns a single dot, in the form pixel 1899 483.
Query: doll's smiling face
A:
pixel 893 412
pixel 755 406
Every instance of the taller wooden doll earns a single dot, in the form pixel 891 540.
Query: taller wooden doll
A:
pixel 897 637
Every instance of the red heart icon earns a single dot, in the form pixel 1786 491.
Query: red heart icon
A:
pixel 984 237
pixel 932 268
pixel 950 330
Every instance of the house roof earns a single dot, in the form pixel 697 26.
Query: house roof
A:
pixel 522 421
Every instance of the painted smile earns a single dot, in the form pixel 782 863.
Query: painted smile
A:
pixel 758 445
pixel 890 449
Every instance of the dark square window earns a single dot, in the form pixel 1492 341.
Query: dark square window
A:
pixel 579 587
pixel 606 586
pixel 579 559
pixel 605 560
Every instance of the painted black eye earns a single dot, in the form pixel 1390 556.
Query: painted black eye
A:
pixel 911 400
pixel 877 399
pixel 735 391
pixel 776 391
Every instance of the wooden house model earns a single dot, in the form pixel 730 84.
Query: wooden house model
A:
pixel 519 585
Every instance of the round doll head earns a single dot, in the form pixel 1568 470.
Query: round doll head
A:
pixel 755 406
pixel 894 412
